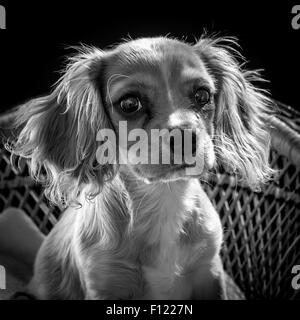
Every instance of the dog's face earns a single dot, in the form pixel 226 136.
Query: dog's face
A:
pixel 200 91
pixel 162 84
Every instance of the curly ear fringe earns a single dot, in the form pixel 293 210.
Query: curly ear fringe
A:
pixel 245 146
pixel 58 134
pixel 242 138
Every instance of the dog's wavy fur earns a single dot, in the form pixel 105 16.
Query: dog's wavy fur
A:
pixel 119 237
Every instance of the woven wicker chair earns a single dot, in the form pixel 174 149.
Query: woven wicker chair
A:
pixel 262 229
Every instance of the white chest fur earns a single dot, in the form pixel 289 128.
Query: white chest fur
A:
pixel 162 217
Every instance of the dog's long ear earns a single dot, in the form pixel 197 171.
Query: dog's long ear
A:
pixel 58 131
pixel 241 128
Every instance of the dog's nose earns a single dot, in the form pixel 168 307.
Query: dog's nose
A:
pixel 190 138
pixel 194 143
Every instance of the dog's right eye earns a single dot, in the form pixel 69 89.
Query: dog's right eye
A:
pixel 202 97
pixel 130 104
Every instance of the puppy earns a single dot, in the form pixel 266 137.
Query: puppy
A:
pixel 137 229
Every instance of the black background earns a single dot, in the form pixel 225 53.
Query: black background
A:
pixel 32 48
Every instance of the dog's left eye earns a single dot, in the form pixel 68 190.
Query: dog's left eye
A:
pixel 202 97
pixel 130 104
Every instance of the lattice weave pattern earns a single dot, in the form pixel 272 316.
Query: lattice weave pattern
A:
pixel 262 231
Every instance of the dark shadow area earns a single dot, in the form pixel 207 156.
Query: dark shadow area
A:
pixel 33 45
